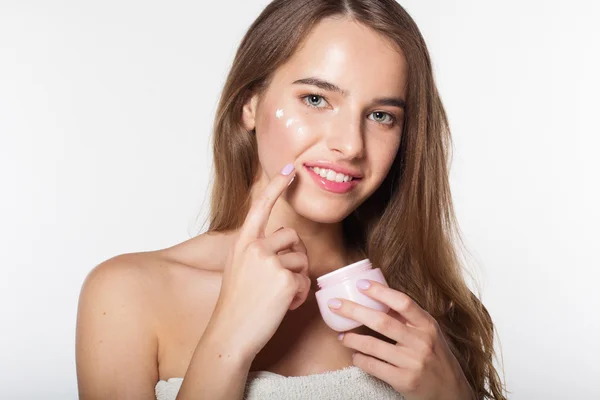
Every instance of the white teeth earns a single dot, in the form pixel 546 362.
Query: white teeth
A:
pixel 331 175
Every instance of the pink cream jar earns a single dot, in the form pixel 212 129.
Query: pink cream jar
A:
pixel 341 284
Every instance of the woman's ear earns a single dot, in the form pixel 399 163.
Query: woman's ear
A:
pixel 249 113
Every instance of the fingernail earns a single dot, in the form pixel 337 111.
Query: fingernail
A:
pixel 363 284
pixel 334 303
pixel 287 169
pixel 341 336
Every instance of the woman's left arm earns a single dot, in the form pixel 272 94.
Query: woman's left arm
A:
pixel 420 365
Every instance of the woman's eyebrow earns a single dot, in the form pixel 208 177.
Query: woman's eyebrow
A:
pixel 331 87
pixel 320 83
pixel 390 101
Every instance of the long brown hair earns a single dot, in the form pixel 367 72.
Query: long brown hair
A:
pixel 407 227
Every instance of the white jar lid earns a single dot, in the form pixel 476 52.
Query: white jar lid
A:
pixel 344 270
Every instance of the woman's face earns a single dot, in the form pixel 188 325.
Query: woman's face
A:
pixel 339 102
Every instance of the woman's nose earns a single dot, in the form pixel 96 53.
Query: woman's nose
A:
pixel 345 135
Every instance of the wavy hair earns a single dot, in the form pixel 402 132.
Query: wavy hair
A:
pixel 407 227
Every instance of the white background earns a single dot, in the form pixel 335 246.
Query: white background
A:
pixel 105 116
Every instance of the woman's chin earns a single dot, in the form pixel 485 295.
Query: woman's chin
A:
pixel 322 214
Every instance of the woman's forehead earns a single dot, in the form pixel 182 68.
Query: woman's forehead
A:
pixel 350 55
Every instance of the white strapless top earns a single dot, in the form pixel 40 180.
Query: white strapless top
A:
pixel 350 383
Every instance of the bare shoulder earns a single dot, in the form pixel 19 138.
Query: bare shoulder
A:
pixel 116 331
pixel 131 304
pixel 164 278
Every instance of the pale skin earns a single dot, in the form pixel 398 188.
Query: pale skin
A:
pixel 156 315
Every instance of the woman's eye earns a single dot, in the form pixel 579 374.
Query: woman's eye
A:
pixel 313 100
pixel 317 101
pixel 382 117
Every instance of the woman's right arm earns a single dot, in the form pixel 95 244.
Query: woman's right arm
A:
pixel 263 278
pixel 218 369
pixel 116 343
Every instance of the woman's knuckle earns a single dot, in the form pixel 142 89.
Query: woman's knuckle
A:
pixel 285 278
pixel 279 281
pixel 307 283
pixel 372 364
pixel 369 345
pixel 428 345
pixel 383 322
pixel 303 258
pixel 406 305
pixel 272 261
pixel 294 235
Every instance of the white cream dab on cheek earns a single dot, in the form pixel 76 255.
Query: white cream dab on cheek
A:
pixel 279 113
pixel 300 130
pixel 289 122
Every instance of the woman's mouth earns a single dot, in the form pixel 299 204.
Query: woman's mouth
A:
pixel 332 181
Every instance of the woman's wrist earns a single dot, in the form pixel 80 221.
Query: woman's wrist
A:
pixel 227 346
pixel 218 369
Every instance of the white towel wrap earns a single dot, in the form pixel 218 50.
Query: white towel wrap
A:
pixel 350 383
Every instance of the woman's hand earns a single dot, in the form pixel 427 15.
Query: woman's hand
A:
pixel 420 365
pixel 259 284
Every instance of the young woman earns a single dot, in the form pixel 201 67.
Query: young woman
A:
pixel 331 145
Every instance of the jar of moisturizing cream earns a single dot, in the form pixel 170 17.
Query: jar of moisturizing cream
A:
pixel 341 284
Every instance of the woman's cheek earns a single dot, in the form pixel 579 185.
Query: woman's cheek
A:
pixel 288 132
pixel 386 153
pixel 283 138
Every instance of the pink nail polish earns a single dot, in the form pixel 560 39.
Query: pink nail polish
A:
pixel 334 303
pixel 287 169
pixel 363 284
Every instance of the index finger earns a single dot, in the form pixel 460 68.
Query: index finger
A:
pixel 400 302
pixel 258 215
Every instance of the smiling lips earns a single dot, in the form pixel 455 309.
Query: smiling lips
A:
pixel 331 175
pixel 331 180
pixel 337 168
